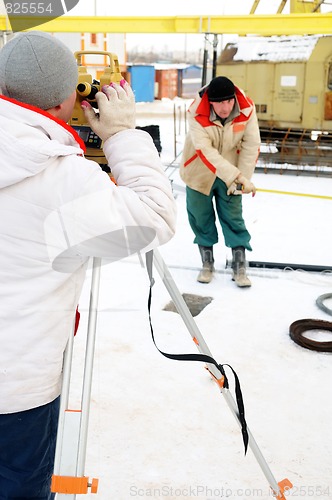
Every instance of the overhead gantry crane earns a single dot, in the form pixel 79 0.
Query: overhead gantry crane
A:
pixel 305 17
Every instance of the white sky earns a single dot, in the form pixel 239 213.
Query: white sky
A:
pixel 173 7
pixel 170 8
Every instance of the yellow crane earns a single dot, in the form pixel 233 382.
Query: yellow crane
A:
pixel 305 18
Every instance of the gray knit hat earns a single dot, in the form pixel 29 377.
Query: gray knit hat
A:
pixel 38 69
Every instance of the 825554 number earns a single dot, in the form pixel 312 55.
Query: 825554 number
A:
pixel 28 8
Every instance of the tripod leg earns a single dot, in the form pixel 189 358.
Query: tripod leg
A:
pixel 277 488
pixel 68 478
pixel 88 369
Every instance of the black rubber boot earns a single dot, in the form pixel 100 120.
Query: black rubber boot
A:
pixel 239 267
pixel 206 273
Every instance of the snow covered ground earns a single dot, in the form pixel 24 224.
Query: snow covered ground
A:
pixel 161 429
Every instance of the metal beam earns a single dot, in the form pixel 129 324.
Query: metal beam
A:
pixel 254 6
pixel 300 6
pixel 266 25
pixel 281 6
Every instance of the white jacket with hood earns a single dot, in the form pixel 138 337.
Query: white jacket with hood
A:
pixel 58 209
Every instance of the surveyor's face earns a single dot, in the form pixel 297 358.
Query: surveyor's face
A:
pixel 67 107
pixel 223 108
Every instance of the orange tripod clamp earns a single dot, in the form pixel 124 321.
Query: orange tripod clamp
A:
pixel 284 485
pixel 73 485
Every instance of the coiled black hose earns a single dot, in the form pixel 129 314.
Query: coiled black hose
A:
pixel 299 327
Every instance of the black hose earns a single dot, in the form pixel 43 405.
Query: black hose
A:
pixel 285 266
pixel 301 326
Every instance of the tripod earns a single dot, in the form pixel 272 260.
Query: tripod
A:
pixel 68 479
pixel 69 464
pixel 278 489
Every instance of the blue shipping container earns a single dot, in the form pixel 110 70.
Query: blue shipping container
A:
pixel 190 81
pixel 142 80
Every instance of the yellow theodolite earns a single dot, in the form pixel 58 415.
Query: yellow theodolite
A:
pixel 86 90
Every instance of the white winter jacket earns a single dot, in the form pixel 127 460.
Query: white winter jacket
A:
pixel 58 209
pixel 214 150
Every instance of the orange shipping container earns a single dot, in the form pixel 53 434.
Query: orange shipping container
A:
pixel 166 83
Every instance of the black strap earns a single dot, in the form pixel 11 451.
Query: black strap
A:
pixel 202 358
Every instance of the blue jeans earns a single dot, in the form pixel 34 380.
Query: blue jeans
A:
pixel 27 448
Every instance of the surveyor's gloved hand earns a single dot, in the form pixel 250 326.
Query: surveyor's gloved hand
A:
pixel 241 185
pixel 116 105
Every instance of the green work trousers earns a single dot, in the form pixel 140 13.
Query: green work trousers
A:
pixel 202 210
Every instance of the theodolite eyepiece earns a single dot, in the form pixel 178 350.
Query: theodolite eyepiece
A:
pixel 87 90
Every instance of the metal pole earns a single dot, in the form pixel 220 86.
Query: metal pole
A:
pixel 67 363
pixel 215 55
pixel 205 60
pixel 88 369
pixel 203 348
pixel 174 129
pixel 68 478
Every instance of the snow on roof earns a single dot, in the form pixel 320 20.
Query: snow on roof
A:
pixel 163 66
pixel 285 48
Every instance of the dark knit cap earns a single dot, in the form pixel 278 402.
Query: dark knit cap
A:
pixel 38 69
pixel 220 89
